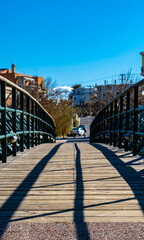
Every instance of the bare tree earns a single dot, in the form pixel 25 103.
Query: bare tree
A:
pixel 111 91
pixel 53 100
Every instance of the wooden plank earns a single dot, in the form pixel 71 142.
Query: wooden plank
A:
pixel 69 213
pixel 37 188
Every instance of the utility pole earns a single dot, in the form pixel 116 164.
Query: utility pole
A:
pixel 122 77
pixel 90 86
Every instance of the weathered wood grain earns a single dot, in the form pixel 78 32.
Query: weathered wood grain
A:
pixel 39 186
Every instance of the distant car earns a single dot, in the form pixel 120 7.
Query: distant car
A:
pixel 83 127
pixel 77 131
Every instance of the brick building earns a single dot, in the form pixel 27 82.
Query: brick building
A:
pixel 21 79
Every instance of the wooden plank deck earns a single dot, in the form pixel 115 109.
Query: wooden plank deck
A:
pixel 70 182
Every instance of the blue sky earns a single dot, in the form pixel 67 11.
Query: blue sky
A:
pixel 72 41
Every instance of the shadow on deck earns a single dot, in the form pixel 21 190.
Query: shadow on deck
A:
pixel 78 210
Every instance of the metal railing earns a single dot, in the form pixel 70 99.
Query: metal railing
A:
pixel 121 122
pixel 24 123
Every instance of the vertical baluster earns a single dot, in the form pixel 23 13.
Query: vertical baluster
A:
pixel 101 126
pixel 97 128
pixel 115 124
pixel 36 123
pixel 107 125
pixel 135 123
pixel 104 123
pixel 127 118
pixel 28 121
pixel 120 122
pixel 54 132
pixel 111 122
pixel 3 122
pixel 22 121
pixel 32 122
pixel 40 125
pixel 39 122
pixel 49 130
pixel 44 126
pixel 14 117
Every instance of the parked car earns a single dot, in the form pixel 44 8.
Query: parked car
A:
pixel 83 127
pixel 77 131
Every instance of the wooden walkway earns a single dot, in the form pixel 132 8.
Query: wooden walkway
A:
pixel 72 181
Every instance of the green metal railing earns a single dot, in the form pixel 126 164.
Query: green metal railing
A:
pixel 24 123
pixel 121 122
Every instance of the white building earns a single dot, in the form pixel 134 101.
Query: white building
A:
pixel 109 91
pixel 80 95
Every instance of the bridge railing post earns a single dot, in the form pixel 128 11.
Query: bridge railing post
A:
pixel 44 135
pixel 3 122
pixel 111 123
pixel 36 124
pixel 107 123
pixel 22 121
pixel 104 124
pixel 39 122
pixel 135 121
pixel 32 123
pixel 14 106
pixel 127 118
pixel 28 121
pixel 120 122
pixel 41 135
pixel 115 123
pixel 100 126
pixel 42 125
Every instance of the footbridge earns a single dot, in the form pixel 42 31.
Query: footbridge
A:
pixel 82 180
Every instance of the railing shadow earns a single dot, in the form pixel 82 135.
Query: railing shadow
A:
pixel 81 226
pixel 78 209
pixel 129 174
pixel 69 183
pixel 19 194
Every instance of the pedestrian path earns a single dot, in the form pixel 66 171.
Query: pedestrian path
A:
pixel 72 181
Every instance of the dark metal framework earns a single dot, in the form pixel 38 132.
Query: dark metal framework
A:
pixel 121 122
pixel 23 122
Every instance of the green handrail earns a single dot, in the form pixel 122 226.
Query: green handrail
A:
pixel 22 127
pixel 121 121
